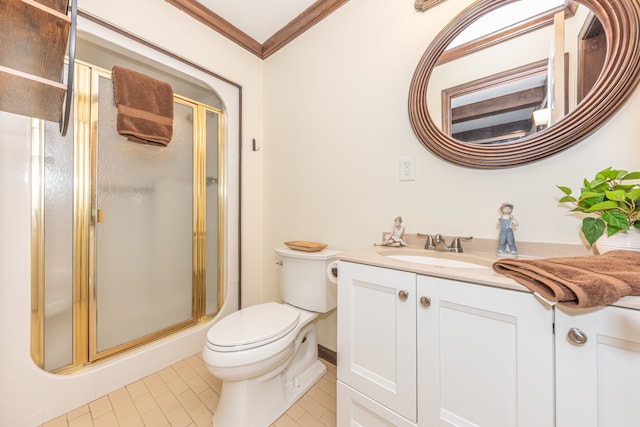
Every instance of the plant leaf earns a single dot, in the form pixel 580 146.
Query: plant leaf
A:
pixel 565 190
pixel 593 228
pixel 631 175
pixel 567 199
pixel 611 230
pixel 634 194
pixel 616 219
pixel 602 206
pixel 599 185
pixel 586 202
pixel 591 194
pixel 618 195
pixel 609 173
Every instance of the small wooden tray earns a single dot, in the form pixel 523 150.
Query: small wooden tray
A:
pixel 301 245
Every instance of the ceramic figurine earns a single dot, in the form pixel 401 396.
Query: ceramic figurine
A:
pixel 396 237
pixel 507 223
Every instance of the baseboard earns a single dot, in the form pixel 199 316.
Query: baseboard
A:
pixel 327 354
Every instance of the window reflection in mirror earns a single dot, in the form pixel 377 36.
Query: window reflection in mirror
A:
pixel 516 71
pixel 500 107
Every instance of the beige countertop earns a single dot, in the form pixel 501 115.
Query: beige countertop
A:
pixel 477 251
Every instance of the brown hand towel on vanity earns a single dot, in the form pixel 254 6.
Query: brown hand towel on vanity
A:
pixel 145 107
pixel 579 282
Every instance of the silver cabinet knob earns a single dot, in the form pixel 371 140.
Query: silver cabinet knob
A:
pixel 576 336
pixel 425 302
pixel 403 295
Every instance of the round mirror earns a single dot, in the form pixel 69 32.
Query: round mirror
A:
pixel 494 96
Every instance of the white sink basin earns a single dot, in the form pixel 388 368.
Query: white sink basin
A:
pixel 436 262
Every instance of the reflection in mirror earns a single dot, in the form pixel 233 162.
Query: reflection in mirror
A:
pixel 498 108
pixel 513 18
pixel 573 62
pixel 490 95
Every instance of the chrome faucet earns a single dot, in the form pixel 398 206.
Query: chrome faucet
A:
pixel 437 242
pixel 429 243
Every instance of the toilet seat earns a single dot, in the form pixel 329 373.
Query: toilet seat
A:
pixel 252 327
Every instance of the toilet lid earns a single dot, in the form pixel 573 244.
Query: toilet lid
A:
pixel 253 326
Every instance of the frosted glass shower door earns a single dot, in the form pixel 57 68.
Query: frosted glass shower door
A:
pixel 144 234
pixel 213 183
pixel 57 252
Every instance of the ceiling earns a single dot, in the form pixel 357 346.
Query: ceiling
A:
pixel 260 26
pixel 259 19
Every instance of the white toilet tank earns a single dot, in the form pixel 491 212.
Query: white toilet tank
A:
pixel 304 281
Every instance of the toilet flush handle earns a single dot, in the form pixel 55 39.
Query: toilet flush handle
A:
pixel 279 263
pixel 332 272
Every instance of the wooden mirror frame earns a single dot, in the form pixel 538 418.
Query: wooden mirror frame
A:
pixel 619 77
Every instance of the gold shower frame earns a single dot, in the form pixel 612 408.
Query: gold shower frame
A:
pixel 85 217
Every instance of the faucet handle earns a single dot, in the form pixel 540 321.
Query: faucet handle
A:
pixel 429 243
pixel 455 244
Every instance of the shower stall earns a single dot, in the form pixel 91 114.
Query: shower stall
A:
pixel 127 239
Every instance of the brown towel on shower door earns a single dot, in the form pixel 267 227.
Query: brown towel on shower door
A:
pixel 145 107
pixel 579 282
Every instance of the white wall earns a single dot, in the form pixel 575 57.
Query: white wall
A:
pixel 336 123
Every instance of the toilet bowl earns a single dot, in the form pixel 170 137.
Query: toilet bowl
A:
pixel 267 355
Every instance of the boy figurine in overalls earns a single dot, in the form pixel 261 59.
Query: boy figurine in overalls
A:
pixel 507 222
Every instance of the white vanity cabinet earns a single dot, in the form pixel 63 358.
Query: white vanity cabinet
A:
pixel 598 367
pixel 356 409
pixel 377 346
pixel 485 356
pixel 425 351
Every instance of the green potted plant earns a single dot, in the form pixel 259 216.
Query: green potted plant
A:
pixel 612 199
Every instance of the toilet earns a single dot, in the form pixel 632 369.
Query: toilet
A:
pixel 267 355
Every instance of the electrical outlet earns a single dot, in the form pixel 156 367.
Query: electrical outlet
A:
pixel 407 169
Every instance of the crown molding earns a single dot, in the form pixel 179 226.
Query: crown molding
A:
pixel 307 19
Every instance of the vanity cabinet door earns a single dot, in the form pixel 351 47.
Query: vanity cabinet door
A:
pixel 356 409
pixel 377 335
pixel 598 367
pixel 485 356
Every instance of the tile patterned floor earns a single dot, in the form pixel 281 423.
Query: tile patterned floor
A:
pixel 185 395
